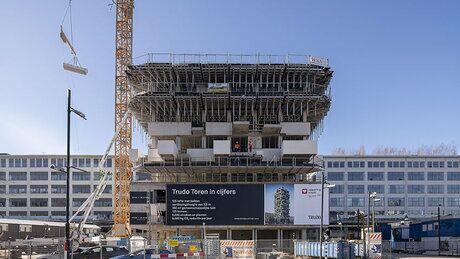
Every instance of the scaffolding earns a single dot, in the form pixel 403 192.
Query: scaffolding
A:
pixel 259 89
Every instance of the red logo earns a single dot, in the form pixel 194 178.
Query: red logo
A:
pixel 304 191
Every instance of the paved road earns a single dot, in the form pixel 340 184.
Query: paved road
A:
pixel 411 256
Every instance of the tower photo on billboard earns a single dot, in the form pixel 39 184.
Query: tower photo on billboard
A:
pixel 278 204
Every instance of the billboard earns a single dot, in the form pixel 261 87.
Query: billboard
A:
pixel 245 204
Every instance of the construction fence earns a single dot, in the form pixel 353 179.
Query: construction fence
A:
pixel 215 248
pixel 30 249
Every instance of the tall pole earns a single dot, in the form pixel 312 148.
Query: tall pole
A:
pixel 367 225
pixel 150 218
pixel 322 215
pixel 67 211
pixel 439 230
pixel 359 230
pixel 373 215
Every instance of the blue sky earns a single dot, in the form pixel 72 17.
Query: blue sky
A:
pixel 396 64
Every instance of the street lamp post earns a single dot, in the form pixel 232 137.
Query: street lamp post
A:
pixel 371 195
pixel 323 182
pixel 439 229
pixel 67 212
pixel 341 230
pixel 322 214
pixel 373 213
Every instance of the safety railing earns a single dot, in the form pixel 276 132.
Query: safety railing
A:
pixel 190 58
pixel 143 87
pixel 237 161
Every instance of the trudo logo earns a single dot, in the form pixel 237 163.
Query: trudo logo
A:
pixel 304 191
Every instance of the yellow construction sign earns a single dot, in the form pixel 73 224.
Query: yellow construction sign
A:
pixel 193 248
pixel 173 242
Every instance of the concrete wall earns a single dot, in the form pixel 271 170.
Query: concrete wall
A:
pixel 218 128
pixel 170 128
pixel 295 128
pixel 299 147
pixel 199 154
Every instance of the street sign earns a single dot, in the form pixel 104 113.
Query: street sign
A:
pixel 323 62
pixel 173 242
pixel 193 248
pixel 374 247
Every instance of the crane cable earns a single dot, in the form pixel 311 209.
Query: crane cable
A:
pixel 64 38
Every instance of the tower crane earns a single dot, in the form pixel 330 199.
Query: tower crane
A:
pixel 122 169
pixel 122 138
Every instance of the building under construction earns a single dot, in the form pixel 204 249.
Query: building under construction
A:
pixel 225 119
pixel 282 212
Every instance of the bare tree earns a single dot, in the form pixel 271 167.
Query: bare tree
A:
pixel 423 150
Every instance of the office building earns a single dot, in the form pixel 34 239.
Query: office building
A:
pixel 30 189
pixel 412 186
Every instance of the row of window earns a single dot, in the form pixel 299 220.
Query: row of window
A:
pixel 397 202
pixel 397 189
pixel 393 176
pixel 237 177
pixel 393 164
pixel 244 143
pixel 43 189
pixel 43 162
pixel 97 214
pixel 55 202
pixel 43 176
pixel 156 196
pixel 397 212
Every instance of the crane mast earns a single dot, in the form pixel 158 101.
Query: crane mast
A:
pixel 122 169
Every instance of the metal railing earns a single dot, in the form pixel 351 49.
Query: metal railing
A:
pixel 30 248
pixel 235 88
pixel 189 58
pixel 238 161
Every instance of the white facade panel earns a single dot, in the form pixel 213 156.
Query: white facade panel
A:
pixel 295 128
pixel 269 154
pixel 170 128
pixel 167 147
pixel 299 147
pixel 218 128
pixel 221 147
pixel 200 154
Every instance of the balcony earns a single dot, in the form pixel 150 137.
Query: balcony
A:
pixel 221 147
pixel 200 154
pixel 240 127
pixel 295 128
pixel 170 129
pixel 271 129
pixel 299 148
pixel 218 128
pixel 167 148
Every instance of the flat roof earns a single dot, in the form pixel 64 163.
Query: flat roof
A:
pixel 40 223
pixel 389 156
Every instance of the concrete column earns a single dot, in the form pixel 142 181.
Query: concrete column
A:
pixel 229 234
pixel 154 142
pixel 280 115
pixel 229 116
pixel 281 238
pixel 278 234
pixel 203 141
pixel 203 116
pixel 254 237
pixel 304 116
pixel 303 234
pixel 178 143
